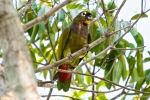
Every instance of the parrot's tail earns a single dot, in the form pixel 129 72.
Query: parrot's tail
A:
pixel 63 76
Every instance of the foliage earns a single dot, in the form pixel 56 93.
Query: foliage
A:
pixel 117 64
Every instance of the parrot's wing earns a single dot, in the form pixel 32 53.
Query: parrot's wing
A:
pixel 89 41
pixel 61 45
pixel 62 42
pixel 89 38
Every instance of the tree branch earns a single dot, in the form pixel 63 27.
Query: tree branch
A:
pixel 106 80
pixel 27 6
pixel 128 48
pixel 45 16
pixel 79 52
pixel 16 55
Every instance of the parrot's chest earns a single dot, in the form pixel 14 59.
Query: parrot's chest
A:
pixel 78 37
pixel 76 42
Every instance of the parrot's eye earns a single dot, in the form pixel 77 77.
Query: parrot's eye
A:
pixel 90 17
pixel 83 13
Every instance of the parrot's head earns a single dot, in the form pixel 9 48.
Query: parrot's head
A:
pixel 83 17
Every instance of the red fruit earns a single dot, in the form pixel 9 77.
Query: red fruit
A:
pixel 63 76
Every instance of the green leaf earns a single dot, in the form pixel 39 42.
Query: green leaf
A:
pixel 34 33
pixel 146 95
pixel 146 60
pixel 54 26
pixel 99 47
pixel 148 52
pixel 45 72
pixel 123 65
pixel 34 7
pixel 101 83
pixel 92 31
pixel 117 72
pixel 103 22
pixel 48 53
pixel 140 63
pixel 131 61
pixel 113 54
pixel 78 94
pixel 147 74
pixel 40 59
pixel 44 9
pixel 134 75
pixel 137 15
pixel 88 78
pixel 75 5
pixel 1 54
pixel 124 97
pixel 137 37
pixel 86 0
pixel 109 76
pixel 79 78
pixel 35 50
pixel 64 24
pixel 41 28
pixel 42 47
pixel 131 45
pixel 101 97
pixel 126 24
pixel 33 58
pixel 93 12
pixel 123 44
pixel 139 84
pixel 61 15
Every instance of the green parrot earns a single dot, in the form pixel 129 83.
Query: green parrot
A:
pixel 72 39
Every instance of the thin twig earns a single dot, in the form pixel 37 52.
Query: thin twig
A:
pixel 62 96
pixel 87 68
pixel 39 63
pixel 27 6
pixel 50 40
pixel 93 86
pixel 40 52
pixel 125 87
pixel 97 17
pixel 129 48
pixel 104 10
pixel 96 91
pixel 79 52
pixel 123 91
pixel 116 15
pixel 45 16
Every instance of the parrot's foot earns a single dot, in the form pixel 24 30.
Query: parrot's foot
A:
pixel 88 47
pixel 70 56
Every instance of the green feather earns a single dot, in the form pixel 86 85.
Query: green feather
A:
pixel 66 85
pixel 62 42
pixel 59 85
pixel 72 39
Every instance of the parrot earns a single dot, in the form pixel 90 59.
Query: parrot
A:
pixel 72 39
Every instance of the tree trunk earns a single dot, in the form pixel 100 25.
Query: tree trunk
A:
pixel 19 75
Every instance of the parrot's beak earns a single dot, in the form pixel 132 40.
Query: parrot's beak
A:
pixel 88 20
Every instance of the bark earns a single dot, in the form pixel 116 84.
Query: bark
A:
pixel 19 76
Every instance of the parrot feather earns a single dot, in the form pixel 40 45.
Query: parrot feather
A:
pixel 72 39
